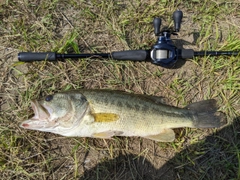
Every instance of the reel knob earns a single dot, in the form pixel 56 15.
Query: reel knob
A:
pixel 157 25
pixel 177 18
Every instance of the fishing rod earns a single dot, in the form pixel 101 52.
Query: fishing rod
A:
pixel 164 53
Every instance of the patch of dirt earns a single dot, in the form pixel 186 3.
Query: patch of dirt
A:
pixel 10 82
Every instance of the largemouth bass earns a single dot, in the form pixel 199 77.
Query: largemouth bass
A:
pixel 105 113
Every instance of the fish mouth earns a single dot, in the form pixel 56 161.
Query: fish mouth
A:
pixel 40 119
pixel 40 112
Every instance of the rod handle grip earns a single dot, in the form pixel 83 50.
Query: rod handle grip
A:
pixel 133 55
pixel 186 53
pixel 36 56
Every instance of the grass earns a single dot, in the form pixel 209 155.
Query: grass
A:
pixel 105 26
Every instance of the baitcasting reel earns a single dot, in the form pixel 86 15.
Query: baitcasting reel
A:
pixel 163 53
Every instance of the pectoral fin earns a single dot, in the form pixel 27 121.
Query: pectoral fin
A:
pixel 105 117
pixel 107 134
pixel 166 135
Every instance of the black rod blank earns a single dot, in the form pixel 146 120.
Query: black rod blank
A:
pixel 216 53
pixel 189 53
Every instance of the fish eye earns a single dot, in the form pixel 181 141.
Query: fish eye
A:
pixel 49 98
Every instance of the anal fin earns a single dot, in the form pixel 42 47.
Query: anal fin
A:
pixel 107 134
pixel 166 135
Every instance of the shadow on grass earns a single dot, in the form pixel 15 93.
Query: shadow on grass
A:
pixel 216 157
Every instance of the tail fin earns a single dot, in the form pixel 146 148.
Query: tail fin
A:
pixel 206 114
